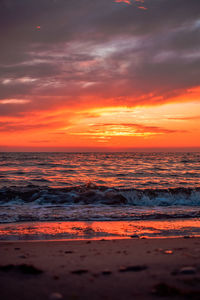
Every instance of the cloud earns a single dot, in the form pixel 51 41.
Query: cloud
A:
pixel 142 7
pixel 123 1
pixel 14 101
pixel 132 2
pixel 21 125
pixel 91 53
pixel 125 129
pixel 185 118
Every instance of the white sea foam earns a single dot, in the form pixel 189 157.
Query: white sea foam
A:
pixel 97 195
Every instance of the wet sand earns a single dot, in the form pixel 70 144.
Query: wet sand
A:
pixel 104 269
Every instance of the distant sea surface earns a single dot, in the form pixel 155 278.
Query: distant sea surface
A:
pixel 118 170
pixel 99 186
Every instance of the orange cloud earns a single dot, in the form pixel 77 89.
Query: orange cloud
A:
pixel 124 1
pixel 120 77
pixel 190 118
pixel 127 129
pixel 142 7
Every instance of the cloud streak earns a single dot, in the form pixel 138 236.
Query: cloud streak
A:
pixel 76 55
pixel 125 129
pixel 186 118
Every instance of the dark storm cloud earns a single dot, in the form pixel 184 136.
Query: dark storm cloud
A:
pixel 89 48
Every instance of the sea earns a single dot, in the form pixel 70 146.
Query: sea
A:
pixel 99 195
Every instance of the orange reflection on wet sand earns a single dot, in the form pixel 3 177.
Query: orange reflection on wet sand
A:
pixel 97 230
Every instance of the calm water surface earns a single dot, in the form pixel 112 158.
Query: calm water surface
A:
pixel 121 170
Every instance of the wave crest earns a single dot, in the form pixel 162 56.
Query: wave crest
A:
pixel 99 195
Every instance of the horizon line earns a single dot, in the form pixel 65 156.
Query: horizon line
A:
pixel 8 149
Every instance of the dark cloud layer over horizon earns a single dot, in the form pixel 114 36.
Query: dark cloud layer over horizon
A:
pixel 61 53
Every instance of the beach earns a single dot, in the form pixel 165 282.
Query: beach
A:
pixel 99 226
pixel 101 269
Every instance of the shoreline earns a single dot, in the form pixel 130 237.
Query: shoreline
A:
pixel 100 239
pixel 97 230
pixel 94 240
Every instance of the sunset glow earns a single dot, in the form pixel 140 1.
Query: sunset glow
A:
pixel 113 74
pixel 99 230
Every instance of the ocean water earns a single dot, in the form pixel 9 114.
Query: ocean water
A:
pixel 114 170
pixel 91 187
pixel 122 189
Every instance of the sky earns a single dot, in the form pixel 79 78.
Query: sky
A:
pixel 99 74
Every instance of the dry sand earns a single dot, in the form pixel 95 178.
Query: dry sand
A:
pixel 112 269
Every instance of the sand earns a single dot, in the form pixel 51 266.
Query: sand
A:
pixel 103 269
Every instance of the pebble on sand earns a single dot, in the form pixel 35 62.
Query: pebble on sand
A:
pixel 164 290
pixel 188 270
pixel 55 296
pixel 136 268
pixel 79 272
pixel 106 272
pixel 23 268
pixel 168 252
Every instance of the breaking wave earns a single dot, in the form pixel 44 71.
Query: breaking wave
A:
pixel 98 195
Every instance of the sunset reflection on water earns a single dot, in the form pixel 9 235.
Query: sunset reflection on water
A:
pixel 118 170
pixel 99 230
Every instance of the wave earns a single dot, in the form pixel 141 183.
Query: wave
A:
pixel 99 195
